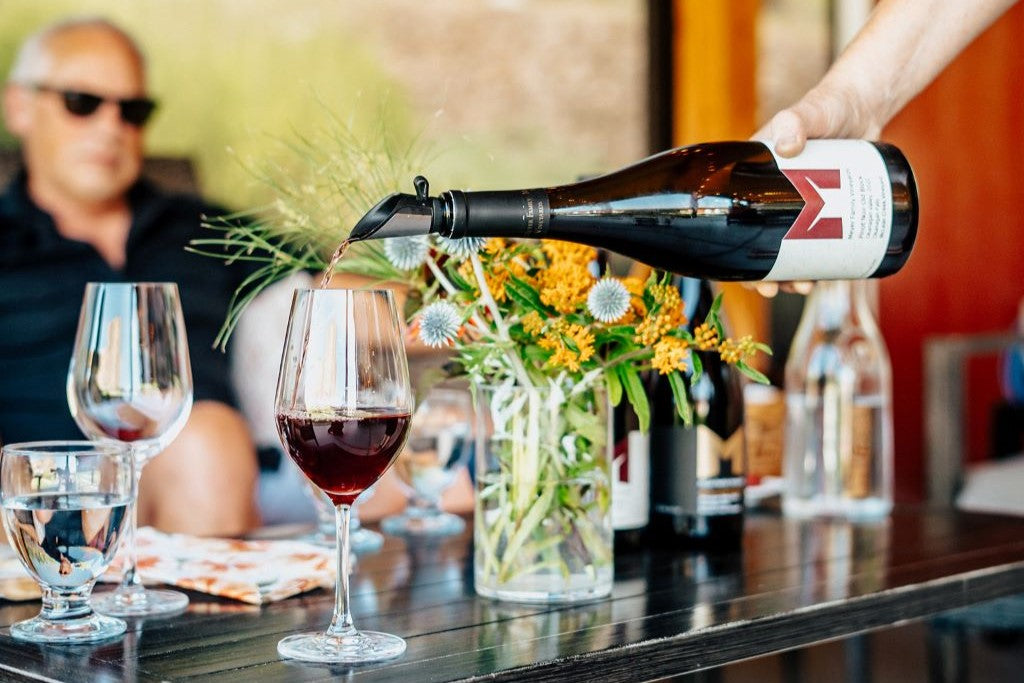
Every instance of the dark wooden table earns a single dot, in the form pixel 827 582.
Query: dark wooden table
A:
pixel 670 612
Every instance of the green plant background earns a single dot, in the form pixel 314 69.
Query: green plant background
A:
pixel 236 77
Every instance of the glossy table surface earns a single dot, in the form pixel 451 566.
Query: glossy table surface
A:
pixel 794 583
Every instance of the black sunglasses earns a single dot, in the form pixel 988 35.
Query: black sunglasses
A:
pixel 135 111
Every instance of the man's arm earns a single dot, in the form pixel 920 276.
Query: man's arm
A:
pixel 903 46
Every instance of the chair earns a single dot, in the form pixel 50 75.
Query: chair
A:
pixel 174 174
pixel 945 398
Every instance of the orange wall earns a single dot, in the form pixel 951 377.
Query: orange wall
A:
pixel 964 137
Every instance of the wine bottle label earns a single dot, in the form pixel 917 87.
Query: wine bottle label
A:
pixel 703 473
pixel 631 502
pixel 843 231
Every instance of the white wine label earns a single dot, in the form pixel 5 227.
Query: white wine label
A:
pixel 631 501
pixel 843 231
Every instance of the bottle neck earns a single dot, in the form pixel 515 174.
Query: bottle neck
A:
pixel 511 213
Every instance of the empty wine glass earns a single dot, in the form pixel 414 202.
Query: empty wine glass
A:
pixel 130 381
pixel 64 506
pixel 439 442
pixel 343 410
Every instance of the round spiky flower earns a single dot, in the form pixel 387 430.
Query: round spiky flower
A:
pixel 608 300
pixel 439 324
pixel 406 253
pixel 461 248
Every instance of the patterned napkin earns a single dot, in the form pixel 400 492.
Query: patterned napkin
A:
pixel 256 572
pixel 15 583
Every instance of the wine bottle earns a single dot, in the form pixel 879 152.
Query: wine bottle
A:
pixel 697 473
pixel 842 209
pixel 630 477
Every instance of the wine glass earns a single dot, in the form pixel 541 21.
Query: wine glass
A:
pixel 130 381
pixel 439 443
pixel 360 539
pixel 343 410
pixel 64 506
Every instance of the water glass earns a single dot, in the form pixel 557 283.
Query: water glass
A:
pixel 440 442
pixel 64 505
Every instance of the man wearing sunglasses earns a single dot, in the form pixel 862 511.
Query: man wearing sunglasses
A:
pixel 77 101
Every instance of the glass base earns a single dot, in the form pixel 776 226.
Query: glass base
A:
pixel 548 588
pixel 852 509
pixel 90 629
pixel 413 524
pixel 140 603
pixel 359 648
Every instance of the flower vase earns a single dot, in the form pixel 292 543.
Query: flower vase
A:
pixel 542 528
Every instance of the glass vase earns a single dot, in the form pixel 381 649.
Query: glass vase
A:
pixel 543 528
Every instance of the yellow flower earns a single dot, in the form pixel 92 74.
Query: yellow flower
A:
pixel 637 308
pixel 651 329
pixel 634 285
pixel 729 351
pixel 564 286
pixel 533 323
pixel 670 354
pixel 496 276
pixel 669 303
pixel 495 246
pixel 733 351
pixel 568 252
pixel 557 340
pixel 705 337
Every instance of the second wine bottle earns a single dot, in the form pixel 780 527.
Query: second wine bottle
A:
pixel 697 473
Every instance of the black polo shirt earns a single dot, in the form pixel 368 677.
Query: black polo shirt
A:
pixel 42 280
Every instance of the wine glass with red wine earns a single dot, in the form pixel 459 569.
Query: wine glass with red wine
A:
pixel 343 411
pixel 130 380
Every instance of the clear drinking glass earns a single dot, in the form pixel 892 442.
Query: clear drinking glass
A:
pixel 130 381
pixel 343 411
pixel 440 441
pixel 64 508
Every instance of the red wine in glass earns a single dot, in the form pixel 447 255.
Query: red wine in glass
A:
pixel 344 454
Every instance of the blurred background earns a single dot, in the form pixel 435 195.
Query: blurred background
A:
pixel 510 93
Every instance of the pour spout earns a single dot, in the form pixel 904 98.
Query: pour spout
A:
pixel 401 215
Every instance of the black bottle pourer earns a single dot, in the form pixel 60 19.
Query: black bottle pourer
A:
pixel 400 215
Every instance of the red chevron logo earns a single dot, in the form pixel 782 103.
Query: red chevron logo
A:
pixel 808 226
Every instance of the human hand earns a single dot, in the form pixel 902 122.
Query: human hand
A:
pixel 826 111
pixel 770 289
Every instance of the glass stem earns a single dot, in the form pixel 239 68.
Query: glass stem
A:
pixel 131 582
pixel 66 603
pixel 341 622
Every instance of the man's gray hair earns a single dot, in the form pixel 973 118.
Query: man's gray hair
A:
pixel 31 64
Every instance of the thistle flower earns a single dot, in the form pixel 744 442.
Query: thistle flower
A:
pixel 461 248
pixel 406 253
pixel 439 324
pixel 608 300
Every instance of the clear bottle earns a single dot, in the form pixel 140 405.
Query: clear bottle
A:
pixel 839 445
